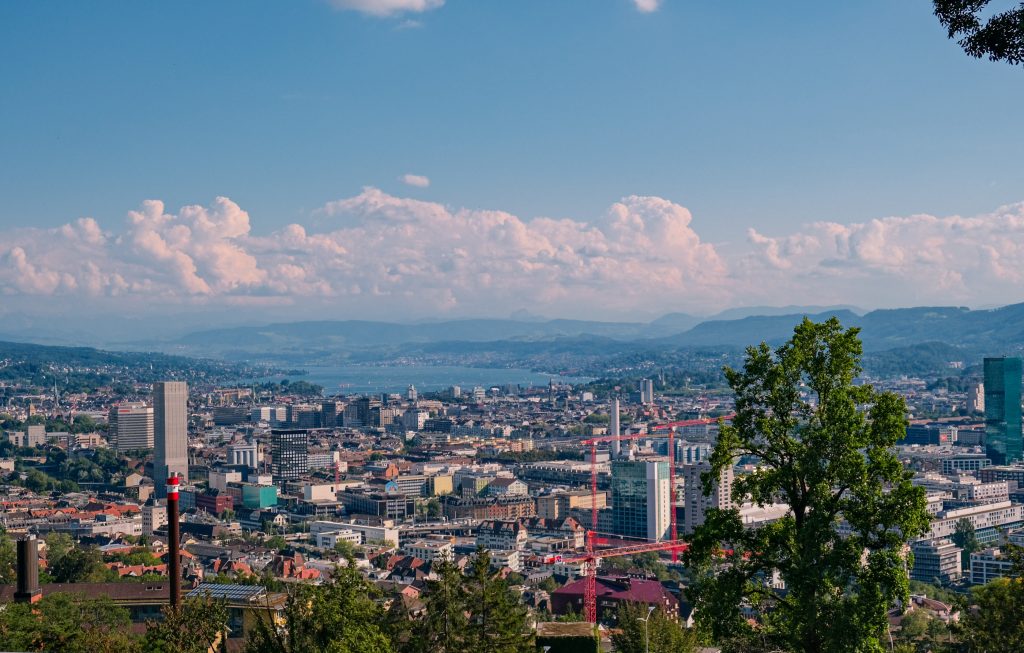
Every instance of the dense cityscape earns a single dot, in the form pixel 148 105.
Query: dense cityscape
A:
pixel 559 486
pixel 449 326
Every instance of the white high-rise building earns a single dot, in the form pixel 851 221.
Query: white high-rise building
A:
pixel 411 394
pixel 646 391
pixel 131 427
pixel 614 429
pixel 696 503
pixel 976 398
pixel 154 517
pixel 170 441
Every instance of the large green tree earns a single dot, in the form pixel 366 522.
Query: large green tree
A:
pixel 443 628
pixel 661 634
pixel 66 623
pixel 198 625
pixel 497 618
pixel 823 445
pixel 339 617
pixel 965 538
pixel 981 32
pixel 8 558
pixel 81 566
pixel 996 623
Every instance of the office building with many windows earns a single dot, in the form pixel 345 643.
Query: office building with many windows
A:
pixel 131 427
pixel 696 503
pixel 1004 440
pixel 289 451
pixel 170 441
pixel 640 499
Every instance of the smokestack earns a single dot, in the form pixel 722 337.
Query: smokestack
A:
pixel 28 571
pixel 616 445
pixel 173 537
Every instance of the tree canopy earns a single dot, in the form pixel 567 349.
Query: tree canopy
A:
pixel 662 634
pixel 1000 37
pixel 68 623
pixel 339 617
pixel 824 447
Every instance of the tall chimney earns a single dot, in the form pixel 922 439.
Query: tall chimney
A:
pixel 173 537
pixel 28 571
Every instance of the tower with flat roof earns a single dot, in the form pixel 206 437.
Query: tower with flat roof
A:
pixel 170 432
pixel 1004 441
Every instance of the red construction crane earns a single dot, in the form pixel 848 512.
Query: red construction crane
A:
pixel 673 544
pixel 671 434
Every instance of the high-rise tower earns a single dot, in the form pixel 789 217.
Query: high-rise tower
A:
pixel 614 429
pixel 131 427
pixel 697 504
pixel 289 451
pixel 1004 442
pixel 640 499
pixel 170 432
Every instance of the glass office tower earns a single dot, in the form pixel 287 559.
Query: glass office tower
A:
pixel 640 499
pixel 1004 442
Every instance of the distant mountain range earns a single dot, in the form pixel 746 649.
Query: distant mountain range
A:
pixel 912 339
pixel 994 330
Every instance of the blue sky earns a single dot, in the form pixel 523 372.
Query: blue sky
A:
pixel 764 116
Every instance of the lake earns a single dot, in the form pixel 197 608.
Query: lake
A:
pixel 359 379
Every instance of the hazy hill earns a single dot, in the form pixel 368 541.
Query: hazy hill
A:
pixel 970 332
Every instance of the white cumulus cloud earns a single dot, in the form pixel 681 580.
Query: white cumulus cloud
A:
pixel 419 181
pixel 909 260
pixel 385 8
pixel 647 6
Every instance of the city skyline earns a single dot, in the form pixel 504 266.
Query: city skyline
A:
pixel 229 169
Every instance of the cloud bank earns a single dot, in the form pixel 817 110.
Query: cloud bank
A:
pixel 381 255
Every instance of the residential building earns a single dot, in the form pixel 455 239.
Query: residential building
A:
pixel 503 535
pixel 611 593
pixel 154 517
pixel 696 503
pixel 989 564
pixel 559 504
pixel 936 561
pixel 512 559
pixel 505 486
pixel 488 508
pixel 988 520
pixel 219 479
pixel 431 550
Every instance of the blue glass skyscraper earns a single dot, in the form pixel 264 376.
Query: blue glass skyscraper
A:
pixel 1004 441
